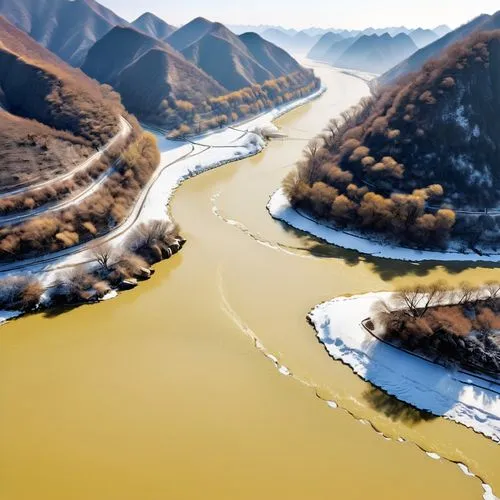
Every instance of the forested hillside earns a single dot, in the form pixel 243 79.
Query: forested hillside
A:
pixel 418 159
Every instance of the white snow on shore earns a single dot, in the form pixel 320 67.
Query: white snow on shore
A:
pixel 463 398
pixel 279 207
pixel 180 160
pixel 7 315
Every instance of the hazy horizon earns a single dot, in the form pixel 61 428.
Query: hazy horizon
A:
pixel 324 13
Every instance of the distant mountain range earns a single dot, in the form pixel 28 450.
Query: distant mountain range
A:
pixel 304 40
pixel 371 53
pixel 376 53
pixel 484 22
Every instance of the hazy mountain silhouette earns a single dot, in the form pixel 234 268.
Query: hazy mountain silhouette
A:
pixel 337 49
pixel 484 22
pixel 296 42
pixel 153 26
pixel 442 30
pixel 423 37
pixel 375 54
pixel 323 44
pixel 67 28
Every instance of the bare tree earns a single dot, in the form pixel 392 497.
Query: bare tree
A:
pixel 312 154
pixel 103 255
pixel 467 293
pixel 415 301
pixel 493 288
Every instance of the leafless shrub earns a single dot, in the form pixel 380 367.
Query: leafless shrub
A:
pixel 20 293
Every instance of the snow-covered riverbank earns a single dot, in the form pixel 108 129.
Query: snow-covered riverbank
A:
pixel 279 207
pixel 464 398
pixel 180 160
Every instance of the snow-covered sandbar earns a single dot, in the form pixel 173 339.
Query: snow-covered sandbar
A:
pixel 455 395
pixel 279 207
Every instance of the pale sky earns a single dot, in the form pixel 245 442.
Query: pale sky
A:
pixel 348 14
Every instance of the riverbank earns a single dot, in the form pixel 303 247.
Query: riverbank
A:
pixel 464 398
pixel 122 382
pixel 180 160
pixel 280 208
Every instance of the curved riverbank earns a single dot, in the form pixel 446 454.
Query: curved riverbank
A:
pixel 280 208
pixel 162 392
pixel 464 398
pixel 211 150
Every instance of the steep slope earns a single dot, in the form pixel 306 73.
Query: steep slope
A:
pixel 190 33
pixel 240 62
pixel 36 84
pixel 376 54
pixel 136 64
pixel 405 160
pixel 274 59
pixel 423 37
pixel 233 67
pixel 323 44
pixel 153 26
pixel 66 27
pixel 52 113
pixel 416 61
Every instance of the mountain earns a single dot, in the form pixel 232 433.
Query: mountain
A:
pixel 274 59
pixel 484 22
pixel 323 45
pixel 411 156
pixel 190 33
pixel 332 55
pixel 298 42
pixel 66 27
pixel 146 71
pixel 423 37
pixel 239 29
pixel 234 67
pixel 153 26
pixel 52 115
pixel 241 60
pixel 442 30
pixel 376 54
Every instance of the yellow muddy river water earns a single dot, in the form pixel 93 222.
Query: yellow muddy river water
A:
pixel 168 391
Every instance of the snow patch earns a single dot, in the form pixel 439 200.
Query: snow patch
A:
pixel 471 401
pixel 7 315
pixel 279 207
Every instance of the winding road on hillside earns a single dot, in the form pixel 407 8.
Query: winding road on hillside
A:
pixel 123 133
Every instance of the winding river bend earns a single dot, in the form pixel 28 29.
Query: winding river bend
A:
pixel 206 382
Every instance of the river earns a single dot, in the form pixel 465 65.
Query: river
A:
pixel 168 391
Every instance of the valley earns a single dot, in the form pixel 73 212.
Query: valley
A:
pixel 244 261
pixel 171 395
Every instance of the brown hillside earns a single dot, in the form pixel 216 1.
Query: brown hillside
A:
pixel 401 161
pixel 49 107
